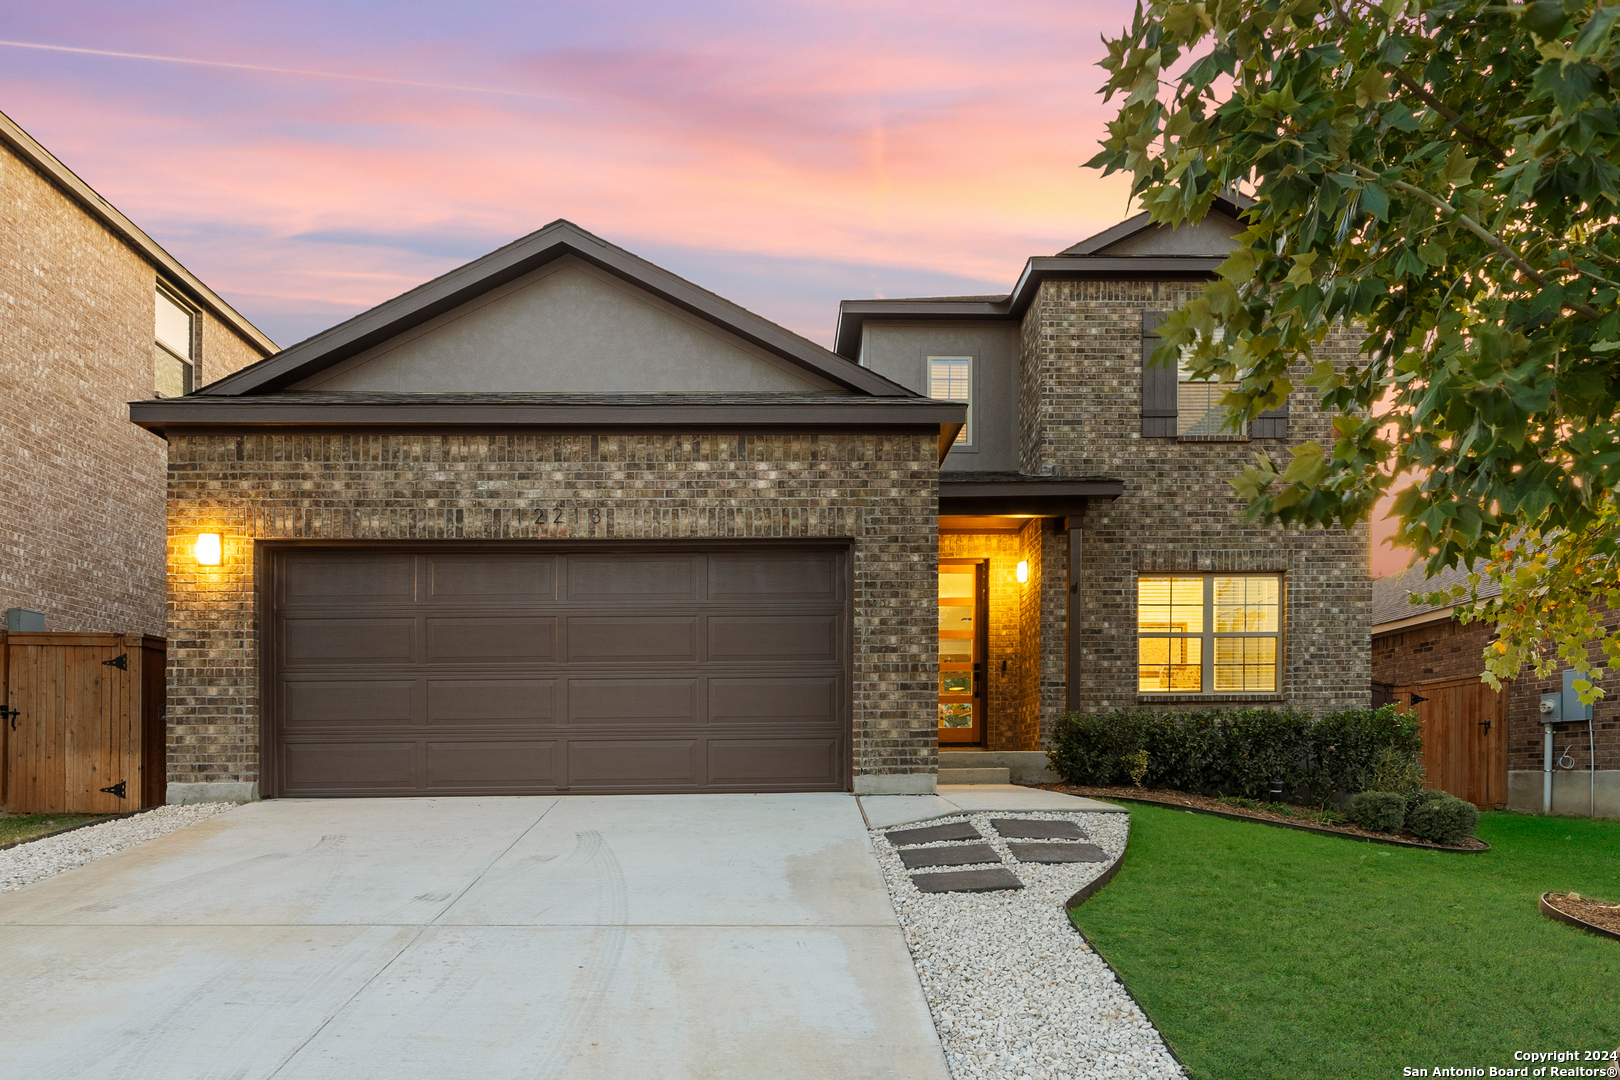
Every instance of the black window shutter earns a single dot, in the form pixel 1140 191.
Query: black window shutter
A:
pixel 1158 384
pixel 1271 424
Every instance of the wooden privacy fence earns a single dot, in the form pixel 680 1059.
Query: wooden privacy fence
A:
pixel 82 729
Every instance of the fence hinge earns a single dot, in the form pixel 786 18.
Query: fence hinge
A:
pixel 121 662
pixel 7 713
pixel 117 789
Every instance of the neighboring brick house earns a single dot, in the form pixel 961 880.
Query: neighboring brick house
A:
pixel 92 307
pixel 562 521
pixel 1422 651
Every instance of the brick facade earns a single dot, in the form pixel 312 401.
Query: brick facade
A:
pixel 1080 415
pixel 878 490
pixel 81 509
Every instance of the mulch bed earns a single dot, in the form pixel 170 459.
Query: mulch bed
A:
pixel 1205 804
pixel 1599 913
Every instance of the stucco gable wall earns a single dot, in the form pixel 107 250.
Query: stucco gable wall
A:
pixel 567 328
pixel 1213 235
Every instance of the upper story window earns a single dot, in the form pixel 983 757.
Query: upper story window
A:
pixel 174 349
pixel 950 378
pixel 1176 406
pixel 1198 401
pixel 1209 633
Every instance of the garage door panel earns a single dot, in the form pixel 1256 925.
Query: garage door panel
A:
pixel 348 641
pixel 767 763
pixel 491 701
pixel 348 766
pixel 332 576
pixel 457 577
pixel 793 703
pixel 314 703
pixel 745 576
pixel 632 577
pixel 455 668
pixel 776 638
pixel 631 638
pixel 491 640
pixel 632 701
pixel 504 765
pixel 633 762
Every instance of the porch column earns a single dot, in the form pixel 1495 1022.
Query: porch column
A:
pixel 1072 674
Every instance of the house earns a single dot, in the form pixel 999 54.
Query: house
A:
pixel 561 521
pixel 1490 747
pixel 96 314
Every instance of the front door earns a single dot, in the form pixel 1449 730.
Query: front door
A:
pixel 961 651
pixel 1464 737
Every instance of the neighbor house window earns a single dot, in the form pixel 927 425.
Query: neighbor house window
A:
pixel 950 378
pixel 1209 633
pixel 1198 401
pixel 174 352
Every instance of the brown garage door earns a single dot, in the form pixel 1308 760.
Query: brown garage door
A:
pixel 491 669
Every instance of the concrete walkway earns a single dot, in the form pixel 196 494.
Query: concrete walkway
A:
pixel 883 811
pixel 650 936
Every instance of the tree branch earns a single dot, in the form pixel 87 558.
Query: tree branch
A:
pixel 1497 243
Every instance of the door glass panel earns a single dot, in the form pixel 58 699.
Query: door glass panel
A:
pixel 955 714
pixel 955 617
pixel 956 682
pixel 958 651
pixel 952 582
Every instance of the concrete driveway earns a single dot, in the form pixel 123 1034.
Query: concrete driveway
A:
pixel 625 936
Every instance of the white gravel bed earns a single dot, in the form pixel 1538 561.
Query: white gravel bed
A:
pixel 1015 990
pixel 39 859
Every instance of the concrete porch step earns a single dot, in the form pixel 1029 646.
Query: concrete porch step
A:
pixel 974 776
pixel 1014 766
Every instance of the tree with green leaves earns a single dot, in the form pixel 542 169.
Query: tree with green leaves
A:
pixel 1440 177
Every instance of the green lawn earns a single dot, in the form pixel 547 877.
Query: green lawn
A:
pixel 1263 952
pixel 26 826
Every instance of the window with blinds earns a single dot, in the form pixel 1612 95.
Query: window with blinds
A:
pixel 1209 633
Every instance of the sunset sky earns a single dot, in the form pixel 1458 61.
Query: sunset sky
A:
pixel 309 160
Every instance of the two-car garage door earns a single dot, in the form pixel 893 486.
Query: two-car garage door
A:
pixel 459 669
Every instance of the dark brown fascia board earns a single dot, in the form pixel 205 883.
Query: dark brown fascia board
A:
pixel 554 241
pixel 1058 506
pixel 1085 489
pixel 161 415
pixel 177 276
pixel 853 314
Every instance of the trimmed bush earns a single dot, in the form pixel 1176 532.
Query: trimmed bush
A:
pixel 1445 820
pixel 1396 770
pixel 1422 795
pixel 1380 811
pixel 1347 745
pixel 1238 752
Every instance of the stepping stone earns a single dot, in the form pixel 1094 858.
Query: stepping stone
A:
pixel 967 881
pixel 957 830
pixel 961 855
pixel 1038 830
pixel 1058 853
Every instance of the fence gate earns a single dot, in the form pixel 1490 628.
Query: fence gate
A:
pixel 1464 736
pixel 83 722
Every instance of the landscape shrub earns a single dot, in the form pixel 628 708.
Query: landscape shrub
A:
pixel 1446 820
pixel 1420 796
pixel 1396 770
pixel 1347 744
pixel 1380 811
pixel 1239 752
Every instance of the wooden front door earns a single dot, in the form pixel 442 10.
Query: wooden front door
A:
pixel 961 651
pixel 1464 737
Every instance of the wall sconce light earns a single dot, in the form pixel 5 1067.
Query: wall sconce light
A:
pixel 207 549
pixel 1023 572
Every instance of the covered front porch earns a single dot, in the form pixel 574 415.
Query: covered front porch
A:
pixel 1010 556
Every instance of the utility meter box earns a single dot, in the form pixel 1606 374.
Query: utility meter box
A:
pixel 1552 709
pixel 1571 707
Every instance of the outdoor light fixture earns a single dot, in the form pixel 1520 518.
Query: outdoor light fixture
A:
pixel 1023 572
pixel 207 549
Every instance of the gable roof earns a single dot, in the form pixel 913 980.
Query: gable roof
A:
pixel 29 150
pixel 1087 259
pixel 1391 610
pixel 555 241
pixel 1101 242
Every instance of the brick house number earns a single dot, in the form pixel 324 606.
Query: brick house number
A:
pixel 555 515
